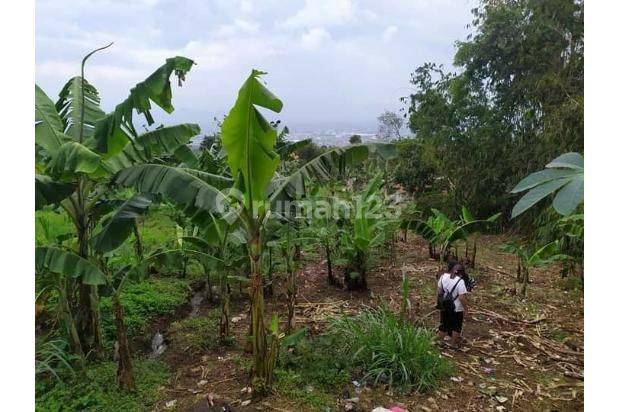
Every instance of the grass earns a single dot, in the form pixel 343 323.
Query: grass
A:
pixel 144 302
pixel 197 332
pixel 390 351
pixel 95 389
pixel 374 346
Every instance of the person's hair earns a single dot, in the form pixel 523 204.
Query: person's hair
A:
pixel 451 264
pixel 458 267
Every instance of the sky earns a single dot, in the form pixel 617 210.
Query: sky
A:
pixel 336 64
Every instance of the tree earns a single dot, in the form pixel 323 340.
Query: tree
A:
pixel 389 125
pixel 78 149
pixel 248 139
pixel 355 139
pixel 514 104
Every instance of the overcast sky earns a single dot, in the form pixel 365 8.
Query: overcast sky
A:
pixel 334 63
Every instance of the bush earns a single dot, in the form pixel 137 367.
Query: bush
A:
pixel 143 302
pixel 97 390
pixel 389 350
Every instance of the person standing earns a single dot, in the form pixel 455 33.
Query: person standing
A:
pixel 452 304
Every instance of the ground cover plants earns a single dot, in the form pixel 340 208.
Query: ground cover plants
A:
pixel 256 271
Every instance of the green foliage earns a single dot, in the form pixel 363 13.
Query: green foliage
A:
pixel 417 167
pixel 96 389
pixel 53 358
pixel 144 302
pixel 389 350
pixel 314 362
pixel 513 105
pixel 249 139
pixel 564 176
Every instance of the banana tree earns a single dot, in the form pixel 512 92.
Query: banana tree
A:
pixel 79 148
pixel 248 139
pixel 366 231
pixel 441 233
pixel 531 258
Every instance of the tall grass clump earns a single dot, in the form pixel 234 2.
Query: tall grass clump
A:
pixel 390 350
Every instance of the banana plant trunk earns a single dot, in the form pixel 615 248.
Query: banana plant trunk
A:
pixel 329 264
pixel 258 329
pixel 224 320
pixel 87 319
pixel 124 374
pixel 69 322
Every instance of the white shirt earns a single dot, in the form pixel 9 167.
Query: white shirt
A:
pixel 446 284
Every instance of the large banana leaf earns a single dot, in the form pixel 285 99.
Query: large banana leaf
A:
pixel 421 228
pixel 185 155
pixel 79 99
pixel 67 263
pixel 564 176
pixel 113 131
pixel 177 184
pixel 48 129
pixel 166 139
pixel 47 191
pixel 147 146
pixel 120 225
pixel 292 147
pixel 249 139
pixel 72 158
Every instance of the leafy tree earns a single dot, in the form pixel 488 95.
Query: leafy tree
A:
pixel 78 149
pixel 389 125
pixel 355 139
pixel 515 102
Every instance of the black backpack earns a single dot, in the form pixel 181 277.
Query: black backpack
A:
pixel 446 301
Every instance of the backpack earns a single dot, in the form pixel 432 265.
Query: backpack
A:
pixel 446 301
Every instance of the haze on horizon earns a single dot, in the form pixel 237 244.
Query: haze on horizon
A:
pixel 336 64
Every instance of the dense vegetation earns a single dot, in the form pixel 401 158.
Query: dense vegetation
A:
pixel 134 228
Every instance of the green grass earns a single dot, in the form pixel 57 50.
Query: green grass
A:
pixel 313 372
pixel 143 302
pixel 95 389
pixel 390 351
pixel 198 332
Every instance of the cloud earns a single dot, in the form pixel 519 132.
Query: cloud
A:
pixel 352 55
pixel 239 26
pixel 322 12
pixel 390 32
pixel 314 38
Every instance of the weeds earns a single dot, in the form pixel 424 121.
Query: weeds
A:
pixel 389 350
pixel 143 302
pixel 96 389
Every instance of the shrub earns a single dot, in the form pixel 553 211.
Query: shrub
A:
pixel 389 350
pixel 96 389
pixel 143 302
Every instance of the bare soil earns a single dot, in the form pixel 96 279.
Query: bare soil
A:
pixel 520 353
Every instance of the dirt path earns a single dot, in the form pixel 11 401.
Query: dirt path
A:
pixel 521 354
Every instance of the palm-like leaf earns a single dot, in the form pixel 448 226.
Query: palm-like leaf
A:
pixel 72 158
pixel 184 188
pixel 48 130
pixel 119 226
pixel 249 139
pixel 67 263
pixel 563 176
pixel 48 191
pixel 79 98
pixel 115 130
